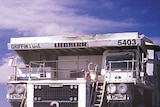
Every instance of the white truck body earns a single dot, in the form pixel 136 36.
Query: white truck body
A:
pixel 111 70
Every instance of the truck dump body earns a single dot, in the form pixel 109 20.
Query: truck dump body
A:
pixel 111 70
pixel 31 48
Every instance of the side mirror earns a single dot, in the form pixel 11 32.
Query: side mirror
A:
pixel 11 61
pixel 144 60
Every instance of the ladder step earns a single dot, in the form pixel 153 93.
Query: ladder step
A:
pixel 99 91
pixel 100 86
pixel 99 96
pixel 96 105
pixel 98 100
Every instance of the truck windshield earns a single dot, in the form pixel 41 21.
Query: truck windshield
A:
pixel 121 62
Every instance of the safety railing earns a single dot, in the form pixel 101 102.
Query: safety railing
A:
pixel 55 69
pixel 125 69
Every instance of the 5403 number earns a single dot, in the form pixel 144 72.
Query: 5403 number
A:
pixel 127 42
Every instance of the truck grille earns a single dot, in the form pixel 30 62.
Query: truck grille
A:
pixel 65 95
pixel 60 105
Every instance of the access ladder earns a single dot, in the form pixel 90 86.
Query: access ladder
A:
pixel 99 93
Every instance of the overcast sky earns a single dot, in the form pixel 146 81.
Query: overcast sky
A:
pixel 62 17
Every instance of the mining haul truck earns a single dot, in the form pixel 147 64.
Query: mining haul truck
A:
pixel 101 70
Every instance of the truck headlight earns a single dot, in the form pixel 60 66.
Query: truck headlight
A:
pixel 10 88
pixel 111 88
pixel 122 88
pixel 20 88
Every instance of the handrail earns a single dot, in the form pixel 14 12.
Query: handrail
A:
pixel 57 68
pixel 103 90
pixel 122 61
pixel 128 68
pixel 23 102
